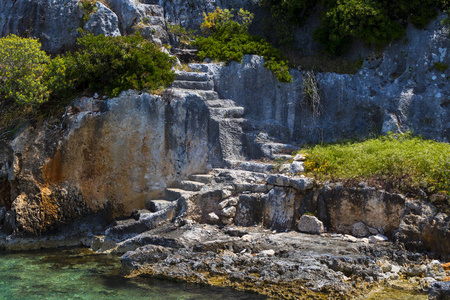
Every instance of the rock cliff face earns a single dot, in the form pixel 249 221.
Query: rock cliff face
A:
pixel 113 156
pixel 396 90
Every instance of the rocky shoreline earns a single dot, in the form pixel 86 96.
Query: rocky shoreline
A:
pixel 215 236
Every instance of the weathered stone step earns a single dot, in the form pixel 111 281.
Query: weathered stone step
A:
pixel 249 166
pixel 240 176
pixel 232 122
pixel 193 76
pixel 207 95
pixel 228 112
pixel 157 205
pixel 193 85
pixel 136 214
pixel 221 103
pixel 189 185
pixel 285 157
pixel 273 149
pixel 250 188
pixel 203 178
pixel 172 194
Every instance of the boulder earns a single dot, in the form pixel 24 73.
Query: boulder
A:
pixel 360 230
pixel 103 21
pixel 310 224
pixel 297 167
pixel 439 290
pixel 435 270
pixel 375 239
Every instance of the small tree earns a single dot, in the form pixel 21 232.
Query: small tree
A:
pixel 22 66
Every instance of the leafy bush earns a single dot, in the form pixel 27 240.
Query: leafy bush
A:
pixel 114 64
pixel 227 39
pixel 405 162
pixel 285 16
pixel 22 68
pixel 366 20
pixel 440 66
pixel 376 22
pixel 183 38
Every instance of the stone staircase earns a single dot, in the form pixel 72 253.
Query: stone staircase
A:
pixel 237 180
pixel 225 114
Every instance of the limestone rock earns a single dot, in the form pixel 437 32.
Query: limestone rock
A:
pixel 53 22
pixel 374 239
pixel 423 228
pixel 439 290
pixel 297 167
pixel 277 179
pixel 350 238
pixel 228 212
pixel 281 208
pixel 300 157
pixel 301 184
pixel 103 21
pixel 360 230
pixel 213 218
pixel 269 252
pixel 233 201
pixel 435 270
pixel 310 224
pixel 415 270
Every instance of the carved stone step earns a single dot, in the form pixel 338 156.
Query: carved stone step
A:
pixel 217 103
pixel 207 95
pixel 238 176
pixel 193 85
pixel 249 166
pixel 173 194
pixel 157 205
pixel 190 185
pixel 228 112
pixel 203 178
pixel 193 76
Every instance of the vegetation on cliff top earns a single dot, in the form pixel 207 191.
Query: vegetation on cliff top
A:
pixel 227 39
pixel 342 21
pixel 396 162
pixel 34 85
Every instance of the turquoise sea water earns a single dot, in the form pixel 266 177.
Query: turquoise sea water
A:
pixel 80 274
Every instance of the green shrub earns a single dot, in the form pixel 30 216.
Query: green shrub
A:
pixel 88 7
pixel 366 20
pixel 440 66
pixel 285 16
pixel 405 162
pixel 228 40
pixel 22 68
pixel 114 64
pixel 376 22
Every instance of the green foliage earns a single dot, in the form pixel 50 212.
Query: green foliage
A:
pixel 405 162
pixel 363 19
pixel 22 68
pixel 88 7
pixel 114 64
pixel 286 15
pixel 184 37
pixel 376 22
pixel 227 39
pixel 440 66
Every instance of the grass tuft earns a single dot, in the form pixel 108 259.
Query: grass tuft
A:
pixel 402 163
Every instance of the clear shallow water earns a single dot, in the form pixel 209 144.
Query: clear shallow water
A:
pixel 79 274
